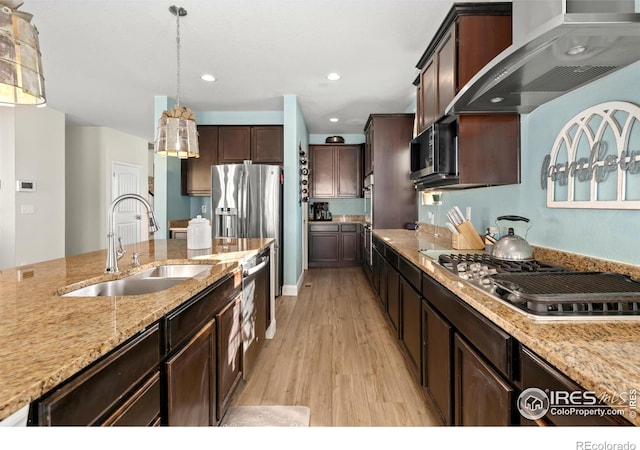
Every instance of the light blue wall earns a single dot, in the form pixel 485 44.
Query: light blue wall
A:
pixel 608 234
pixel 295 137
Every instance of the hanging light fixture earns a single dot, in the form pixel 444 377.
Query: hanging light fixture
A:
pixel 21 80
pixel 177 134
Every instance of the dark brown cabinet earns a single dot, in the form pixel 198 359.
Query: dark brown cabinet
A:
pixel 437 340
pixel 538 373
pixel 336 171
pixel 191 381
pixel 469 37
pixel 109 389
pixel 260 144
pixel 333 245
pixel 394 197
pixel 230 144
pixel 229 353
pixel 410 331
pixel 482 397
pixel 197 173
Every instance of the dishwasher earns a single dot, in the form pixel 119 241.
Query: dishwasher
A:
pixel 256 308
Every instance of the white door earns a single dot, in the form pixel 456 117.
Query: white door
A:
pixel 125 179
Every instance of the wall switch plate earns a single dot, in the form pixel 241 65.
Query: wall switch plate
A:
pixel 27 209
pixel 203 209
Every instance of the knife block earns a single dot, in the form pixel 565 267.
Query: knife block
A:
pixel 468 239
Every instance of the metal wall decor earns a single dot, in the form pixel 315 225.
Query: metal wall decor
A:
pixel 304 174
pixel 595 160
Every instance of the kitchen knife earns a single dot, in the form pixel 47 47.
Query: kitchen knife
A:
pixel 451 217
pixel 452 228
pixel 458 215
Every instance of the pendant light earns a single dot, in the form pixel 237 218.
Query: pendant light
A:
pixel 177 134
pixel 21 80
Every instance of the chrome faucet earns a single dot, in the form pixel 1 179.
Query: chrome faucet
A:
pixel 114 255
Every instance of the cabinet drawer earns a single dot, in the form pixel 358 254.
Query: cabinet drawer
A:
pixel 93 392
pixel 349 227
pixel 411 273
pixel 142 409
pixel 324 228
pixel 392 256
pixel 497 346
pixel 189 317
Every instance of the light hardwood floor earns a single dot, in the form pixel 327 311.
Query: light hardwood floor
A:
pixel 334 352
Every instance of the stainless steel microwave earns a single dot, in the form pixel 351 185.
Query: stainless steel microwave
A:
pixel 434 156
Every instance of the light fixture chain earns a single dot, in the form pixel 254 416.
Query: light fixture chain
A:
pixel 178 59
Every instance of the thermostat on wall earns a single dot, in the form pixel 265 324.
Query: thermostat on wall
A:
pixel 26 186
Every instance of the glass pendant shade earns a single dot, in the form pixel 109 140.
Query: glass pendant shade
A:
pixel 21 80
pixel 177 134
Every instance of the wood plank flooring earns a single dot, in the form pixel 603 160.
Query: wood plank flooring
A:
pixel 334 351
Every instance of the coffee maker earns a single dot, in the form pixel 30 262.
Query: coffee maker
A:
pixel 320 211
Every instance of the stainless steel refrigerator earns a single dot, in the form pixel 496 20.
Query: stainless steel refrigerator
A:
pixel 246 202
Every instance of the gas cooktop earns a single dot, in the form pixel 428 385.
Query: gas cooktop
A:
pixel 547 292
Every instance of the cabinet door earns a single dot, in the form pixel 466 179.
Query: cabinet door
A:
pixel 324 248
pixel 323 171
pixel 349 248
pixel 481 396
pixel 429 94
pixel 393 298
pixel 437 335
pixel 234 144
pixel 349 171
pixel 411 328
pixel 447 76
pixel 368 155
pixel 199 169
pixel 142 409
pixel 228 351
pixel 267 145
pixel 191 381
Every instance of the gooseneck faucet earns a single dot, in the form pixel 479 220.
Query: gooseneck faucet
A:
pixel 114 255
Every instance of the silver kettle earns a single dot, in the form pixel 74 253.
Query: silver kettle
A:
pixel 512 247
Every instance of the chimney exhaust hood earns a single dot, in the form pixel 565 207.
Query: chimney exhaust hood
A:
pixel 558 46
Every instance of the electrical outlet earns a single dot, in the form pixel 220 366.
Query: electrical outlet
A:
pixel 203 209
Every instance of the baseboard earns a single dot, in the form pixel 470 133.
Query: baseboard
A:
pixel 290 289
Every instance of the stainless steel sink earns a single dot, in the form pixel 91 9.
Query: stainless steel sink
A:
pixel 126 286
pixel 174 271
pixel 155 279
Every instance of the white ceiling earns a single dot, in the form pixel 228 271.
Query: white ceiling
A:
pixel 105 60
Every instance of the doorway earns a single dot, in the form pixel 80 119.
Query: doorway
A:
pixel 125 179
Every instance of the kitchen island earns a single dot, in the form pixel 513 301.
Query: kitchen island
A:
pixel 599 355
pixel 47 338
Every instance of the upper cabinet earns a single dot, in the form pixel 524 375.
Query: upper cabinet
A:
pixel 471 35
pixel 336 171
pixel 230 144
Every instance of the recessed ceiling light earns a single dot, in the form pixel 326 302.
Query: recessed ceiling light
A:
pixel 333 76
pixel 208 77
pixel 496 99
pixel 334 119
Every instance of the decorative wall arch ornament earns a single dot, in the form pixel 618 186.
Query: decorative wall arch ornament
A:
pixel 595 160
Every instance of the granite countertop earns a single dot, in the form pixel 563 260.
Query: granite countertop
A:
pixel 46 338
pixel 602 356
pixel 341 219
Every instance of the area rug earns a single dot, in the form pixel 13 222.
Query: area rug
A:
pixel 267 416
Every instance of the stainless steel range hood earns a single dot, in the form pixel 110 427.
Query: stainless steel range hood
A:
pixel 558 46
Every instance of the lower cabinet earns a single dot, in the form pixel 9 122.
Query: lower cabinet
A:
pixel 113 390
pixel 538 373
pixel 333 245
pixel 481 396
pixel 411 328
pixel 393 298
pixel 437 341
pixel 191 381
pixel 180 371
